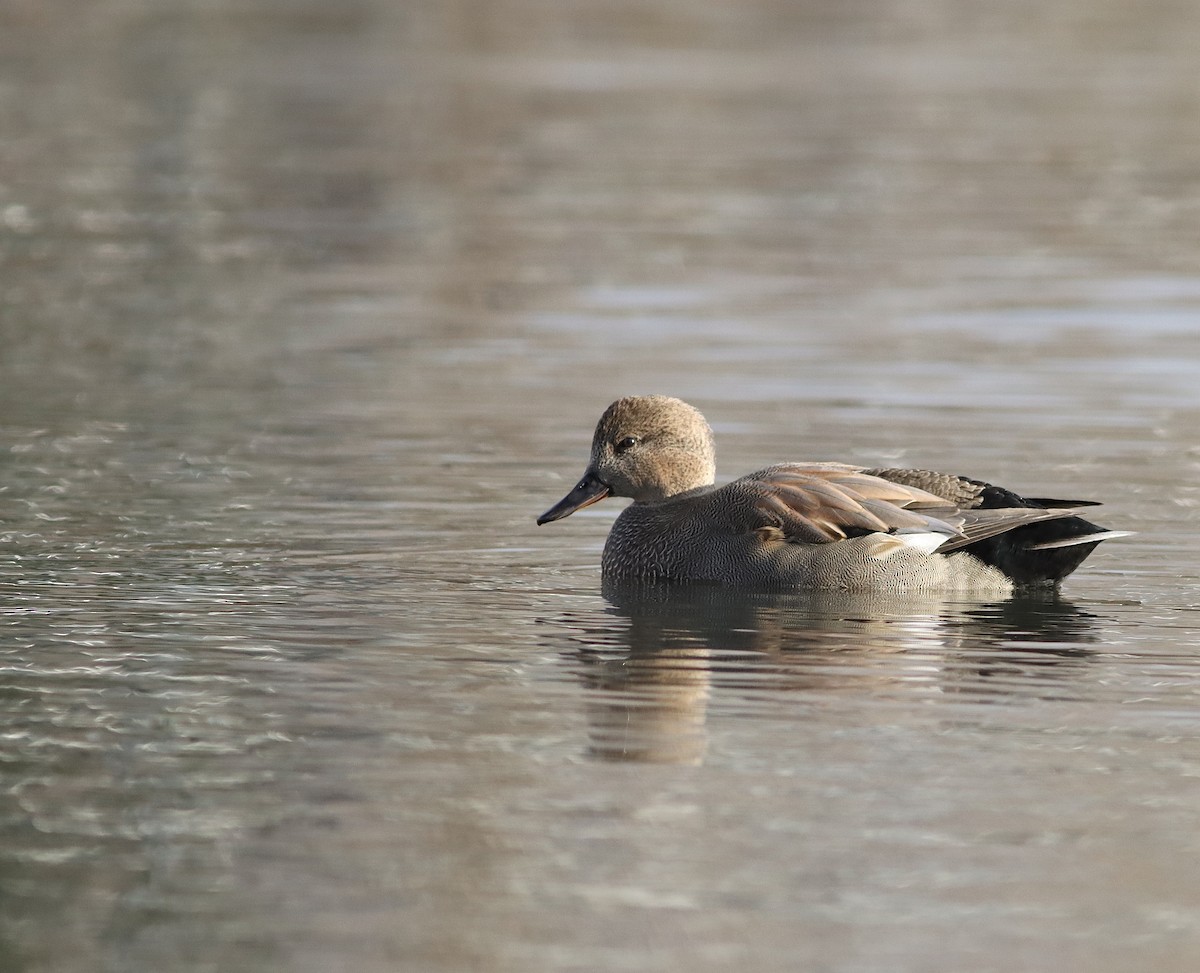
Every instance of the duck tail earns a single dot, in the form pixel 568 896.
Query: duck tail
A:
pixel 1042 554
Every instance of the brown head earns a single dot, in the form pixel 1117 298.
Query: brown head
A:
pixel 648 447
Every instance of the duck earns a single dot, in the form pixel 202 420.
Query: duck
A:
pixel 811 525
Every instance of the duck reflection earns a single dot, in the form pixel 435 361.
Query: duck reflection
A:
pixel 652 679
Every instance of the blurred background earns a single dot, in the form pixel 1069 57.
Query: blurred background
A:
pixel 307 309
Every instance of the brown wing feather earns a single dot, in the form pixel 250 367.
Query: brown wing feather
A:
pixel 863 484
pixel 824 503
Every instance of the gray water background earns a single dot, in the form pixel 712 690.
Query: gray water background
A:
pixel 308 309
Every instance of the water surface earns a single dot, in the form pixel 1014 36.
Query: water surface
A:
pixel 308 310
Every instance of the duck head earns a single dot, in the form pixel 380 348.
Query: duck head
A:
pixel 646 447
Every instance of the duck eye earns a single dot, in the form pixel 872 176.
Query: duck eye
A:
pixel 623 445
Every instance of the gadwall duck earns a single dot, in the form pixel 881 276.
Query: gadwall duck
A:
pixel 811 525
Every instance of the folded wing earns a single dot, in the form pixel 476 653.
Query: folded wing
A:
pixel 822 503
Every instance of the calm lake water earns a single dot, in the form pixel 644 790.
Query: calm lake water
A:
pixel 308 309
